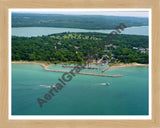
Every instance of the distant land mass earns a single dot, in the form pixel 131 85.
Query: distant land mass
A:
pixel 75 21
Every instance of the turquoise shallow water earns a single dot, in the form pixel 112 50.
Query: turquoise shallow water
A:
pixel 83 95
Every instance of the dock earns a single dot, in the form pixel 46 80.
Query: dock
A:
pixel 102 75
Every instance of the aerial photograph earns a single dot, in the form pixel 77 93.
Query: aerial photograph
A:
pixel 79 62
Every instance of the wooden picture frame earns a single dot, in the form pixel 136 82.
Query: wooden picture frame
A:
pixel 4 63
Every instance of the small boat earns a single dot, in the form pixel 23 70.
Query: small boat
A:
pixel 53 86
pixel 107 83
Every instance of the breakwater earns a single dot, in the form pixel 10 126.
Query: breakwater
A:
pixel 102 75
pixel 105 69
pixel 86 67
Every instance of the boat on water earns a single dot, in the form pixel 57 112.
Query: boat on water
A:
pixel 53 86
pixel 107 83
pixel 48 86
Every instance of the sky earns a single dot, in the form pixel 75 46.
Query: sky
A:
pixel 131 13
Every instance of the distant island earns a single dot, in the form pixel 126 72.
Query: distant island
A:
pixel 95 22
pixel 77 48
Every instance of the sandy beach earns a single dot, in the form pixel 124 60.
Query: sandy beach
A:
pixel 33 62
pixel 127 65
pixel 123 65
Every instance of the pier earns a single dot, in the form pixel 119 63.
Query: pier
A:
pixel 102 75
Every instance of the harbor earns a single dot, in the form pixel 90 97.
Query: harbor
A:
pixel 86 67
pixel 91 74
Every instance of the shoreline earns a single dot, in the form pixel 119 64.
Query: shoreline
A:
pixel 46 63
pixel 120 65
pixel 49 70
pixel 33 62
pixel 128 65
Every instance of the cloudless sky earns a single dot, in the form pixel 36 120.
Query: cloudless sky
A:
pixel 86 12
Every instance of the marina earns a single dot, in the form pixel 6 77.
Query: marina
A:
pixel 86 67
pixel 102 75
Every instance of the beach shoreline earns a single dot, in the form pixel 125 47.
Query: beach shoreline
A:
pixel 46 63
pixel 120 65
pixel 49 70
pixel 127 65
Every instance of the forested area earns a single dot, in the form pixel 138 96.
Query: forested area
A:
pixel 74 21
pixel 79 47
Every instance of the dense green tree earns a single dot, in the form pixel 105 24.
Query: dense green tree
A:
pixel 74 21
pixel 64 47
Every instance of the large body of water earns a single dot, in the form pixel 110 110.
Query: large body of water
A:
pixel 83 95
pixel 39 31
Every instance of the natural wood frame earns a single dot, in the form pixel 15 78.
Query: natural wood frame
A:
pixel 6 4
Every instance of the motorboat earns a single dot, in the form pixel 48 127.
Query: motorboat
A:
pixel 107 83
pixel 53 86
